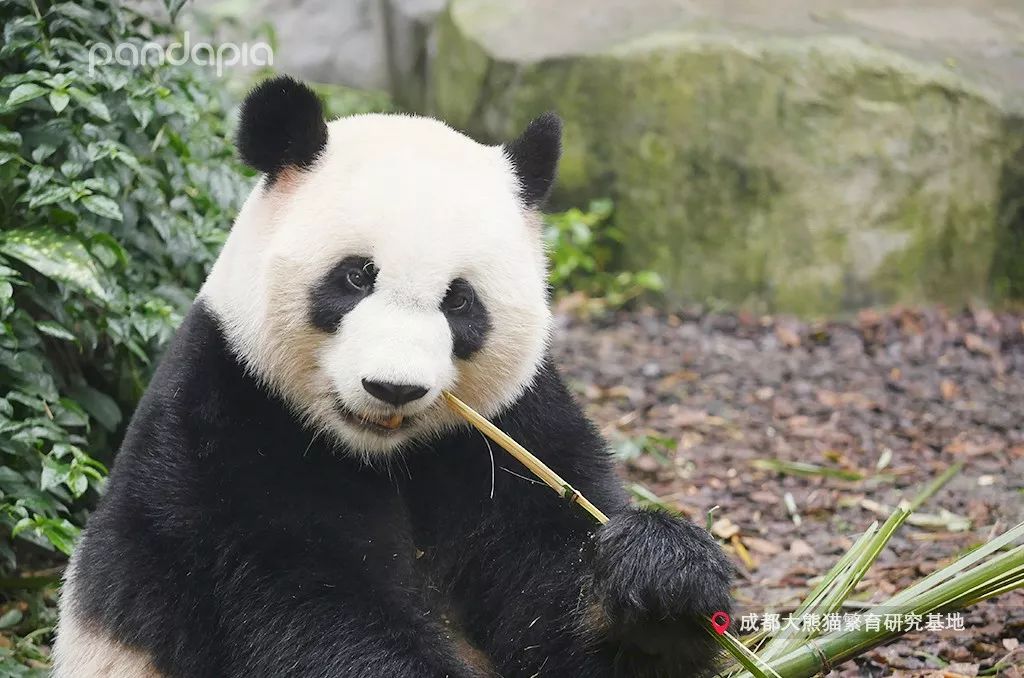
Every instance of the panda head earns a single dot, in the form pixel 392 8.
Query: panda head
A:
pixel 382 259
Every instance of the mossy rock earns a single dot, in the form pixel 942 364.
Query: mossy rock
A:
pixel 807 168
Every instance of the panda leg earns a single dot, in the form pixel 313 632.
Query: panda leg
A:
pixel 82 651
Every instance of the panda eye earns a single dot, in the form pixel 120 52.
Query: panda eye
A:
pixel 458 301
pixel 362 278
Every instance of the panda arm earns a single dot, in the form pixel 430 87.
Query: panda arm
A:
pixel 516 554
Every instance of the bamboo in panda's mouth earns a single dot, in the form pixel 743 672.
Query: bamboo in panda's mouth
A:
pixel 391 423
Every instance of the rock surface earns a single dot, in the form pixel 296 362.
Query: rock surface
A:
pixel 798 155
pixel 408 26
pixel 375 45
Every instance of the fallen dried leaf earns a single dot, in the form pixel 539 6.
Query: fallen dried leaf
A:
pixel 949 390
pixel 787 337
pixel 961 670
pixel 762 546
pixel 976 344
pixel 799 548
pixel 741 551
pixel 724 528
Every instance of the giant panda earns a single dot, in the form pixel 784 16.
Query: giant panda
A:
pixel 292 497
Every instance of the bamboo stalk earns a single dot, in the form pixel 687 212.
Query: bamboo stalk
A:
pixel 935 485
pixel 525 457
pixel 807 661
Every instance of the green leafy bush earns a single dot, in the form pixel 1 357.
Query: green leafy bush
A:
pixel 116 189
pixel 584 245
pixel 339 100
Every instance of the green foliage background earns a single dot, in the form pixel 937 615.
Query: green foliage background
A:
pixel 584 246
pixel 116 189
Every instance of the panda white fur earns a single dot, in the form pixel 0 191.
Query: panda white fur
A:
pixel 293 499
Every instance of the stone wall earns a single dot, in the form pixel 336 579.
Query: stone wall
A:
pixel 809 160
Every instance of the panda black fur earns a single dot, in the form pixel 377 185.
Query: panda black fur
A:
pixel 249 529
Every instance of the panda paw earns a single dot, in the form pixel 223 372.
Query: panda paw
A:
pixel 654 577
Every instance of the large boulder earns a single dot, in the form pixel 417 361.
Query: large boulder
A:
pixel 408 27
pixel 799 155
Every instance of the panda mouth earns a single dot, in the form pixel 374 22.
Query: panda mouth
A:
pixel 386 424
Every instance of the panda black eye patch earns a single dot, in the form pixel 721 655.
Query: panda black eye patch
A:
pixel 467 317
pixel 338 292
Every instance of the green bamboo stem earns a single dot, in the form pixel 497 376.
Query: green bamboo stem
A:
pixel 829 595
pixel 781 644
pixel 838 647
pixel 951 570
pixel 935 485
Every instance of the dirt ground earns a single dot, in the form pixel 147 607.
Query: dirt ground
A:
pixel 884 402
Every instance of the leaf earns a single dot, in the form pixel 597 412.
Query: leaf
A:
pixel 55 255
pixel 173 7
pixel 10 139
pixel 60 533
pixel 72 10
pixel 91 103
pixel 54 473
pixel 799 468
pixel 39 175
pixel 106 248
pixel 69 48
pixel 50 195
pixel 141 109
pixel 14 79
pixel 59 100
pixel 23 93
pixel 54 329
pixel 103 206
pixel 68 413
pixel 77 482
pixel 99 405
pixel 649 280
pixel 11 618
pixel 71 168
pixel 43 151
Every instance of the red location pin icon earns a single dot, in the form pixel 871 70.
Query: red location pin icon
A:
pixel 720 622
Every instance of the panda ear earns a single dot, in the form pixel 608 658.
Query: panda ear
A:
pixel 281 125
pixel 534 156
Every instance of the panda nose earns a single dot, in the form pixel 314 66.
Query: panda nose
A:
pixel 394 394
